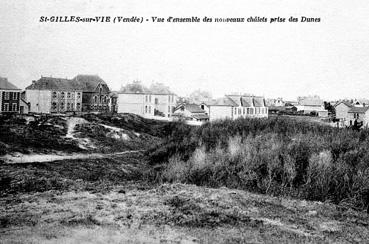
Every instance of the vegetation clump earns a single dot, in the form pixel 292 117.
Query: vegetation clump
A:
pixel 277 156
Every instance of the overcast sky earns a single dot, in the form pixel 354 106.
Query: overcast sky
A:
pixel 330 58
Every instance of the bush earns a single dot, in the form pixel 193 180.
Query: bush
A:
pixel 278 156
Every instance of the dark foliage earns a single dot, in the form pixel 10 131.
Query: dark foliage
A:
pixel 279 156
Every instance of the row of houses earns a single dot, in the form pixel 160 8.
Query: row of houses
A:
pixel 307 105
pixel 90 93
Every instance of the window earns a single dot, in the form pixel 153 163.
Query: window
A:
pixel 149 109
pixel 145 109
pixel 95 99
pixel 156 101
pixel 78 95
pixel 168 109
pixel 6 95
pixel 6 107
pixel 251 111
pixel 15 107
pixel 62 95
pixel 150 98
pixel 169 99
pixel 68 95
pixel 54 106
pixel 239 110
pixel 61 106
pixel 78 106
pixel 55 95
pixel 244 111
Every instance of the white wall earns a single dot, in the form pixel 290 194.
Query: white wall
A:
pixel 164 102
pixel 341 111
pixel 40 100
pixel 131 103
pixel 219 112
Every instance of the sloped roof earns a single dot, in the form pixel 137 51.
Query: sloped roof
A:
pixel 358 110
pixel 88 82
pixel 247 101
pixel 84 83
pixel 259 101
pixel 345 103
pixel 200 116
pixel 235 98
pixel 311 101
pixel 50 83
pixel 224 101
pixel 194 108
pixel 6 85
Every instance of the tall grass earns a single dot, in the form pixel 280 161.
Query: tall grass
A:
pixel 278 156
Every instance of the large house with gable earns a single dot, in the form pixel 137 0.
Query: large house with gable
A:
pixel 147 102
pixel 236 106
pixel 83 93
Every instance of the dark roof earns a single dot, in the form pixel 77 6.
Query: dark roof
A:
pixel 193 108
pixel 247 101
pixel 358 109
pixel 200 116
pixel 6 85
pixel 50 83
pixel 86 83
pixel 345 103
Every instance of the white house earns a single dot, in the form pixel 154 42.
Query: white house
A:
pixel 311 104
pixel 237 106
pixel 147 103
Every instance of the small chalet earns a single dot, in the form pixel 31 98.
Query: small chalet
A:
pixel 314 104
pixel 190 112
pixel 358 115
pixel 342 108
pixel 237 106
pixel 9 97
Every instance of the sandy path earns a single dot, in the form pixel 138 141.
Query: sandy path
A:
pixel 32 158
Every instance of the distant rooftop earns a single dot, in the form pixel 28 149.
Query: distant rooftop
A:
pixel 6 85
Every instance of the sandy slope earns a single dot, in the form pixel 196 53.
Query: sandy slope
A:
pixel 175 213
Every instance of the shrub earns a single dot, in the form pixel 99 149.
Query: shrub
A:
pixel 276 156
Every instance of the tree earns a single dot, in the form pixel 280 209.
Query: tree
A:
pixel 134 87
pixel 328 106
pixel 199 96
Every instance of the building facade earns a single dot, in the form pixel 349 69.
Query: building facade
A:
pixel 95 93
pixel 147 103
pixel 84 93
pixel 9 97
pixel 236 106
